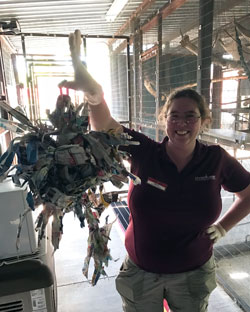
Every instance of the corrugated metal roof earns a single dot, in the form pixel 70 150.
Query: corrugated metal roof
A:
pixel 64 16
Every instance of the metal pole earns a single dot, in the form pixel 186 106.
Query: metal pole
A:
pixel 216 98
pixel 157 74
pixel 129 85
pixel 27 77
pixel 136 66
pixel 205 47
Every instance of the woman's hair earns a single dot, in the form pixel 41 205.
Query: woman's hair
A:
pixel 190 94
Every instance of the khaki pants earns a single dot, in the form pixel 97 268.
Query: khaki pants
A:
pixel 142 291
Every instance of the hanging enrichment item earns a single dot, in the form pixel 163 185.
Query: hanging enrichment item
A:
pixel 64 165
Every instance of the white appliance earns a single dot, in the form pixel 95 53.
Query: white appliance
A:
pixel 27 275
pixel 12 205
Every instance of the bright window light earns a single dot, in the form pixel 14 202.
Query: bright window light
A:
pixel 239 275
pixel 115 9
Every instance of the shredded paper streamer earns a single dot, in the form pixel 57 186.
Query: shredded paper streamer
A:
pixel 64 165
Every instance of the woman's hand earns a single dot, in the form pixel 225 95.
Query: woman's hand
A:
pixel 215 232
pixel 100 117
pixel 82 80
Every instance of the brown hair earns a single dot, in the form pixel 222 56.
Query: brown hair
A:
pixel 187 93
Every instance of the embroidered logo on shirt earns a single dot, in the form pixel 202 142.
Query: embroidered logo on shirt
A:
pixel 205 178
pixel 160 185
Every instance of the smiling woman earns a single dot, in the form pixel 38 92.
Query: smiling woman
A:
pixel 173 219
pixel 189 94
pixel 186 114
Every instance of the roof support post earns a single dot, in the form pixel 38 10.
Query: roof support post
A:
pixel 129 84
pixel 216 97
pixel 157 74
pixel 3 88
pixel 137 66
pixel 238 107
pixel 205 47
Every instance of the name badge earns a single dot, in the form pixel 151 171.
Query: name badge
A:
pixel 158 184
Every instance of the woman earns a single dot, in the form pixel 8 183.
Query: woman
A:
pixel 174 212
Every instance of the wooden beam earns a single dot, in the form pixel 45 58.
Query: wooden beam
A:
pixel 146 4
pixel 165 11
pixel 122 46
pixel 149 53
pixel 168 9
pixel 194 84
pixel 220 8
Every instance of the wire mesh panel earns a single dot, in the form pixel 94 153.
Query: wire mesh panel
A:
pixel 232 254
pixel 147 121
pixel 119 82
pixel 231 64
pixel 7 64
pixel 185 55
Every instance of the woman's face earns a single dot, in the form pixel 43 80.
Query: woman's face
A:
pixel 183 122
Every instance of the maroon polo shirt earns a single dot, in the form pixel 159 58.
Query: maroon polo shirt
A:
pixel 170 210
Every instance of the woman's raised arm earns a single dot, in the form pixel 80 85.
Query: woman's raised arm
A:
pixel 100 117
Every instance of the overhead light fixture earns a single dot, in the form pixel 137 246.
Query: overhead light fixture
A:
pixel 10 27
pixel 115 9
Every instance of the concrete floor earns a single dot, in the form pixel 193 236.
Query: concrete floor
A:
pixel 75 294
